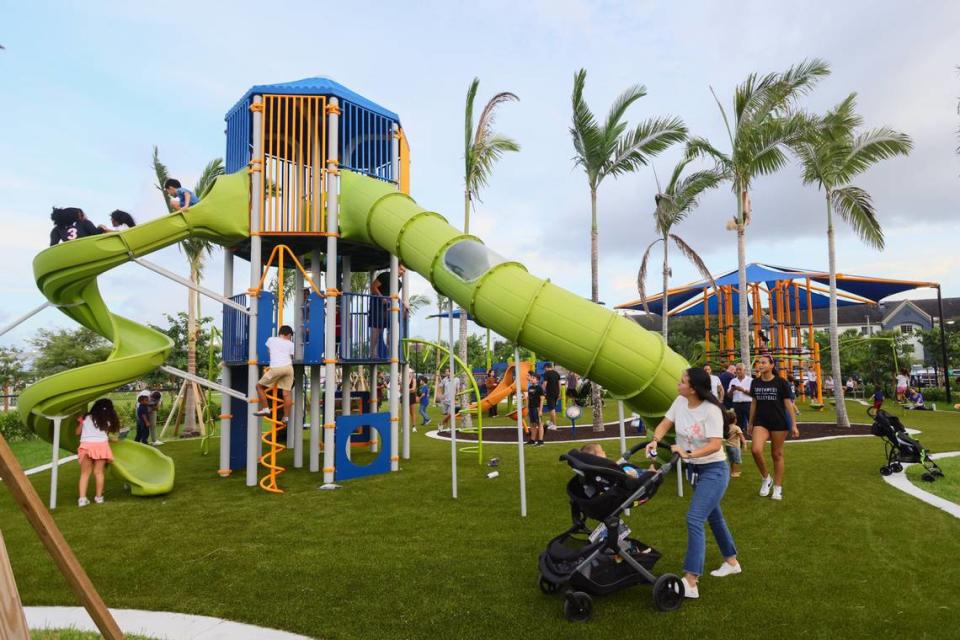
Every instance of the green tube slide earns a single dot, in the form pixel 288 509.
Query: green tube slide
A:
pixel 67 276
pixel 631 363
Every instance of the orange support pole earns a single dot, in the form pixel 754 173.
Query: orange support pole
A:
pixel 706 325
pixel 757 313
pixel 721 331
pixel 731 340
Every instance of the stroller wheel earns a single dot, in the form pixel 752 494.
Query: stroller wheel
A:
pixel 897 467
pixel 927 477
pixel 885 471
pixel 668 592
pixel 578 607
pixel 548 587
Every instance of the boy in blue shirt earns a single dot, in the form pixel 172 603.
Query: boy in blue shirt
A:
pixel 180 198
pixel 143 419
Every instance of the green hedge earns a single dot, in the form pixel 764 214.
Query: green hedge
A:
pixel 11 428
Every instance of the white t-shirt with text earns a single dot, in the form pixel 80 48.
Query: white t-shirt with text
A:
pixel 696 426
pixel 281 351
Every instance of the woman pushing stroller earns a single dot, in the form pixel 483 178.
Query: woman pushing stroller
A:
pixel 700 425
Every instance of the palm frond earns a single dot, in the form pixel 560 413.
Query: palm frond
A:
pixel 586 134
pixel 855 206
pixel 418 301
pixel 489 114
pixel 688 190
pixel 648 139
pixel 484 147
pixel 162 173
pixel 485 156
pixel 695 258
pixel 468 125
pixel 208 177
pixel 698 147
pixel 619 108
pixel 870 148
pixel 642 275
pixel 723 114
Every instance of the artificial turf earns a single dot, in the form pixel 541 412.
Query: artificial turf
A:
pixel 843 556
pixel 947 487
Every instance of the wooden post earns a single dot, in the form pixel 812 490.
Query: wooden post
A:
pixel 39 518
pixel 13 624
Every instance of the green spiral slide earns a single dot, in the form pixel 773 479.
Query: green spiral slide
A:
pixel 67 276
pixel 633 364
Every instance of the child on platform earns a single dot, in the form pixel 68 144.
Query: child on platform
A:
pixel 280 373
pixel 94 450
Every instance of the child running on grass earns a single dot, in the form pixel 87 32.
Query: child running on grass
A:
pixel 94 451
pixel 280 373
pixel 423 399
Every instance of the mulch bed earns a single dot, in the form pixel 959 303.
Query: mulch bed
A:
pixel 808 431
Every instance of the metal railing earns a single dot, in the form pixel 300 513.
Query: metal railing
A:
pixel 364 333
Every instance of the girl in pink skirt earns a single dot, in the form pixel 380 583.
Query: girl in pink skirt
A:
pixel 94 451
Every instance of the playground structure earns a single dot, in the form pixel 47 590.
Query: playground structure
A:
pixel 317 178
pixel 790 296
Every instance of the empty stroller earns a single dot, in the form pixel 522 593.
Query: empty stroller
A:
pixel 605 559
pixel 900 447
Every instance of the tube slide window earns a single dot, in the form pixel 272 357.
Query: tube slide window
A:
pixel 469 259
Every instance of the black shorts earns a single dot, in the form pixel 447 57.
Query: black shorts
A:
pixel 552 403
pixel 773 428
pixel 534 416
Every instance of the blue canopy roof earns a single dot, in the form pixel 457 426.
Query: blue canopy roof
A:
pixel 446 314
pixel 852 289
pixel 318 86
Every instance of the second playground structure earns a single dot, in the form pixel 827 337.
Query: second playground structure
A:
pixel 318 177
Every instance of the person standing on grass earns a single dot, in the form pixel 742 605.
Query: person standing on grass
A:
pixel 726 376
pixel 143 419
pixel 423 400
pixel 534 407
pixel 771 417
pixel 155 398
pixel 450 388
pixel 491 385
pixel 739 392
pixel 902 383
pixel 735 443
pixel 716 384
pixel 280 373
pixel 699 421
pixel 551 388
pixel 94 450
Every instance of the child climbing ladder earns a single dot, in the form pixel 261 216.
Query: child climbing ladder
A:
pixel 280 373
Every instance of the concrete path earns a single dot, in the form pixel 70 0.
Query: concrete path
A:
pixel 900 481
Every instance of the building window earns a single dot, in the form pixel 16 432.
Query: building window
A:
pixel 907 329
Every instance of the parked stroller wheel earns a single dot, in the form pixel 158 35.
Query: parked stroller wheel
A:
pixel 548 587
pixel 897 467
pixel 885 471
pixel 578 607
pixel 668 592
pixel 927 477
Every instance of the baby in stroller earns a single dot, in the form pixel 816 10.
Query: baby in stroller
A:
pixel 587 561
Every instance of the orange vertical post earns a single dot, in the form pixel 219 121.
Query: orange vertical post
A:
pixel 706 325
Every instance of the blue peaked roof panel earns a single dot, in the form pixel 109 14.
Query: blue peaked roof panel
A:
pixel 318 86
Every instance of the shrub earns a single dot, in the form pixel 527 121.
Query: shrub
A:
pixel 12 428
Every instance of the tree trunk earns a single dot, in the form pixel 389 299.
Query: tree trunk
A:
pixel 467 421
pixel 596 391
pixel 744 317
pixel 666 279
pixel 842 419
pixel 190 400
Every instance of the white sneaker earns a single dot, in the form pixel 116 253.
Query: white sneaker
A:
pixel 690 592
pixel 726 569
pixel 765 486
pixel 158 443
pixel 98 499
pixel 777 493
pixel 262 412
pixel 82 502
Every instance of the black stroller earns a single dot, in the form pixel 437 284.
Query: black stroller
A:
pixel 900 447
pixel 605 559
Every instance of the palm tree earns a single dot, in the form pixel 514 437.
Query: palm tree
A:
pixel 673 205
pixel 832 155
pixel 482 147
pixel 609 149
pixel 764 126
pixel 196 251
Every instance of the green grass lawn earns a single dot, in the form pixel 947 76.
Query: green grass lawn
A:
pixel 843 556
pixel 33 453
pixel 947 487
pixel 73 634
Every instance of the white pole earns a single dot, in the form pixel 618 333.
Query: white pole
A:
pixel 520 453
pixel 225 400
pixel 395 387
pixel 55 461
pixel 295 424
pixel 330 336
pixel 680 477
pixel 315 418
pixel 451 399
pixel 623 433
pixel 405 376
pixel 253 371
pixel 347 338
pixel 25 317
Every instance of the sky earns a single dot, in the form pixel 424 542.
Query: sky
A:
pixel 89 88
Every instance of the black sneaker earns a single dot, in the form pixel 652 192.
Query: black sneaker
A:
pixel 530 442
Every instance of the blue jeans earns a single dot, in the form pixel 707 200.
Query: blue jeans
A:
pixel 711 483
pixel 423 413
